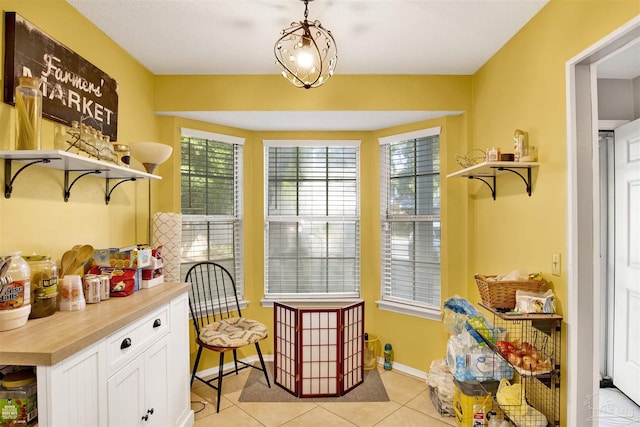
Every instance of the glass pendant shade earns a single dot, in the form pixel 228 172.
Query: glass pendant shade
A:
pixel 307 53
pixel 150 154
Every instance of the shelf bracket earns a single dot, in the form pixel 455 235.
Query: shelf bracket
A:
pixel 491 187
pixel 109 191
pixel 527 180
pixel 67 186
pixel 8 179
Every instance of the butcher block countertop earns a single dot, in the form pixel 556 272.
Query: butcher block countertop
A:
pixel 48 340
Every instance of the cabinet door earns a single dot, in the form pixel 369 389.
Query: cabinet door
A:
pixel 126 395
pixel 73 393
pixel 156 384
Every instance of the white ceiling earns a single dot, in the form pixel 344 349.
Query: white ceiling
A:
pixel 373 37
pixel 623 64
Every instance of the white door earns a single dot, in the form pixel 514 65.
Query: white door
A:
pixel 626 354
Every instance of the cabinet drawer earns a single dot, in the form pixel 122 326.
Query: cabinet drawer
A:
pixel 125 344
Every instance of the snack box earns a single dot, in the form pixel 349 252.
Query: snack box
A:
pixel 119 258
pixel 153 282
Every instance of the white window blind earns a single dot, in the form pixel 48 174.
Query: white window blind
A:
pixel 211 188
pixel 410 219
pixel 312 225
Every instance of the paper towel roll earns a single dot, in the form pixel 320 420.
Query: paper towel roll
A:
pixel 167 232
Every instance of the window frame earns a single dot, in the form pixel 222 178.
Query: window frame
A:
pixel 387 302
pixel 269 298
pixel 236 220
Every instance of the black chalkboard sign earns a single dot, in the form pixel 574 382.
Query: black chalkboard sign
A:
pixel 72 88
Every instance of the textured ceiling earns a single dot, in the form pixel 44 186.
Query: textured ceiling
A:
pixel 373 36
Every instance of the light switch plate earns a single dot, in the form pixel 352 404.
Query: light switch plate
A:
pixel 555 264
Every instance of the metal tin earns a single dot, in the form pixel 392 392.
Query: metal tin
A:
pixel 105 286
pixel 92 288
pixel 123 153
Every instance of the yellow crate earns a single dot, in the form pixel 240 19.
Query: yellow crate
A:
pixel 471 409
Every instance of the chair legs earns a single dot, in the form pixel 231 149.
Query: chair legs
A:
pixel 221 371
pixel 220 375
pixel 235 360
pixel 195 365
pixel 264 367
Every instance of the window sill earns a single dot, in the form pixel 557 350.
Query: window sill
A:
pixel 268 302
pixel 410 310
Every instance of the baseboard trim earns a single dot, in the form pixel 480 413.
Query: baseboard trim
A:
pixel 269 358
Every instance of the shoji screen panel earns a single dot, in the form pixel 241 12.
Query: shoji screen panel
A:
pixel 319 348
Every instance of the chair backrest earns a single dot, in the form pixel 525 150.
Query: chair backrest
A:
pixel 213 294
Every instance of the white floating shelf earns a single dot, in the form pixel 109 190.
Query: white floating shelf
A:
pixel 65 161
pixel 490 170
pixel 68 162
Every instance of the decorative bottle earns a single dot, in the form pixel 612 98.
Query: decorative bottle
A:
pixel 73 138
pixel 388 357
pixel 28 114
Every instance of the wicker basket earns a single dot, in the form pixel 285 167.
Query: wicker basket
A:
pixel 502 294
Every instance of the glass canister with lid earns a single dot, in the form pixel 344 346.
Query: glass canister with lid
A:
pixel 28 114
pixel 44 285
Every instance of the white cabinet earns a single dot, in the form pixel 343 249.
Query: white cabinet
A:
pixel 136 376
pixel 138 394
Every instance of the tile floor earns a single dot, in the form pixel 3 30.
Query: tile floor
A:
pixel 409 405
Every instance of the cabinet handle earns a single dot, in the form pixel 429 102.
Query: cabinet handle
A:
pixel 145 417
pixel 126 343
pixel 157 323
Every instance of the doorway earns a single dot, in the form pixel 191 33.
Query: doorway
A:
pixel 583 226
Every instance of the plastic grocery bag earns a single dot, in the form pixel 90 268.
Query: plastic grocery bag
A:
pixel 511 396
pixel 535 302
pixel 440 379
pixel 511 399
pixel 456 312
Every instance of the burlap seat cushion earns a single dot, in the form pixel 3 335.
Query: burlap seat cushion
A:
pixel 234 332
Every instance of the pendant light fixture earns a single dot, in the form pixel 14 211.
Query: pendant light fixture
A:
pixel 306 52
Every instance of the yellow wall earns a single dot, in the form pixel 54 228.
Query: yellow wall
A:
pixel 36 218
pixel 524 86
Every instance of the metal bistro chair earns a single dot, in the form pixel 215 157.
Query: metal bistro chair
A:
pixel 219 324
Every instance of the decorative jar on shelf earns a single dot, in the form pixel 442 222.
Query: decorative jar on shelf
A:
pixel 28 114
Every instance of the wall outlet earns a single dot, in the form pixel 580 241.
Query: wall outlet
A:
pixel 555 264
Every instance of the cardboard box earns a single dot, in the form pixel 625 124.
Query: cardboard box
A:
pixel 153 282
pixel 122 257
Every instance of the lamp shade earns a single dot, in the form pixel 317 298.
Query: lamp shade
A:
pixel 150 154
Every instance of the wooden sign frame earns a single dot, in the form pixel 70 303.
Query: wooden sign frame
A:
pixel 72 87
